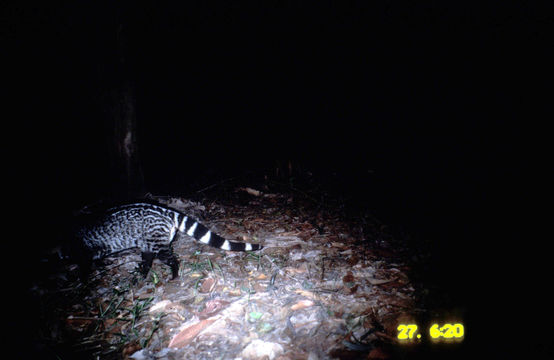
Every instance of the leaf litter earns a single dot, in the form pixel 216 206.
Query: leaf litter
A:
pixel 325 286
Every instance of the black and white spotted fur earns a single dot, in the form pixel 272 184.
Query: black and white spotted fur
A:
pixel 151 228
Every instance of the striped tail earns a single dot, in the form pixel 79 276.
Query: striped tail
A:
pixel 191 227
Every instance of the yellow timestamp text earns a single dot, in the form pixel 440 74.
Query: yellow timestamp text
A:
pixel 436 332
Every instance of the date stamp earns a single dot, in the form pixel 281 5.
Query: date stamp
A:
pixel 449 332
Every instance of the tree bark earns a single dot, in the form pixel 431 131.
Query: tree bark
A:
pixel 122 119
pixel 125 159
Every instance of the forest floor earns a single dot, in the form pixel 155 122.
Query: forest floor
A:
pixel 329 284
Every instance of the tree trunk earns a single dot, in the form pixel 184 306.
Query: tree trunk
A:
pixel 122 119
pixel 125 159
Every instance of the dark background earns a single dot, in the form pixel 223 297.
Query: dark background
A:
pixel 428 114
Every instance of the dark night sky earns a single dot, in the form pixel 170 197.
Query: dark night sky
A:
pixel 423 111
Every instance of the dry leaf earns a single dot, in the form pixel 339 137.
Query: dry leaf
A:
pixel 207 285
pixel 302 304
pixel 130 348
pixel 259 349
pixel 212 308
pixel 261 277
pixel 379 282
pixel 159 306
pixel 185 336
pixel 296 270
pixel 235 292
pixel 348 278
pixel 251 191
pixel 306 293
